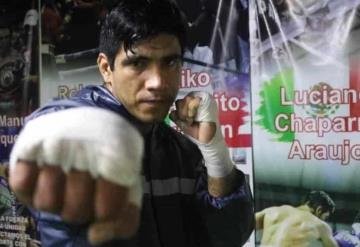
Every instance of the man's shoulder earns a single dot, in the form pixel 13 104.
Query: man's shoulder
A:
pixel 54 106
pixel 281 208
pixel 89 95
pixel 92 95
pixel 82 97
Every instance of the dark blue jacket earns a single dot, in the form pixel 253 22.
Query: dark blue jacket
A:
pixel 177 209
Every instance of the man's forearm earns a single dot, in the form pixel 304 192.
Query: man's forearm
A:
pixel 223 186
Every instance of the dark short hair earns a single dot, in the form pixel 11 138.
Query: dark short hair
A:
pixel 320 198
pixel 131 21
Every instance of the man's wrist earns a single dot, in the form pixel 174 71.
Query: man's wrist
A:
pixel 216 156
pixel 223 186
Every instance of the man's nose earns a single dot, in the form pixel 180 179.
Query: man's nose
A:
pixel 156 79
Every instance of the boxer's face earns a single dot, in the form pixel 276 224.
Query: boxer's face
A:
pixel 325 215
pixel 146 79
pixel 322 214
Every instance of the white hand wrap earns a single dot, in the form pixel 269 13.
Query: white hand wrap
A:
pixel 215 153
pixel 87 139
pixel 356 229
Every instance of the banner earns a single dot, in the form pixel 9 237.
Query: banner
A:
pixel 19 83
pixel 305 105
pixel 217 60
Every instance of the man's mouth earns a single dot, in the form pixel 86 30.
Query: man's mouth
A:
pixel 155 102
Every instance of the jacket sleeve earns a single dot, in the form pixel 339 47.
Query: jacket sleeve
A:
pixel 53 107
pixel 51 229
pixel 229 219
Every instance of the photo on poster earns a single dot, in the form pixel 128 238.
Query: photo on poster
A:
pixel 305 101
pixel 19 96
pixel 19 69
pixel 216 58
pixel 216 55
pixel 69 41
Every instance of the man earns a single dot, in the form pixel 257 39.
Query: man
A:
pixel 86 167
pixel 298 226
pixel 350 238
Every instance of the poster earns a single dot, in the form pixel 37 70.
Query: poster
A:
pixel 216 60
pixel 68 62
pixel 19 83
pixel 305 105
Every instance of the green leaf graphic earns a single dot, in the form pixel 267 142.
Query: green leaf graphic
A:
pixel 167 120
pixel 270 106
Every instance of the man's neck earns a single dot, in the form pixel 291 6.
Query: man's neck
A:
pixel 304 207
pixel 144 128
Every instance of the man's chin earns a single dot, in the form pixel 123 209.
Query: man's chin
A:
pixel 151 118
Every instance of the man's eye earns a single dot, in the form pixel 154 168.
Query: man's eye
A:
pixel 173 62
pixel 138 64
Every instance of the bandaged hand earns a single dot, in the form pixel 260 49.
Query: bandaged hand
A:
pixel 83 164
pixel 356 229
pixel 197 116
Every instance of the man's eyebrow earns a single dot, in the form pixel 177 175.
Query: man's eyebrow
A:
pixel 173 56
pixel 130 59
pixel 133 58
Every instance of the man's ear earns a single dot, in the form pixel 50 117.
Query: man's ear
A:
pixel 318 211
pixel 104 68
